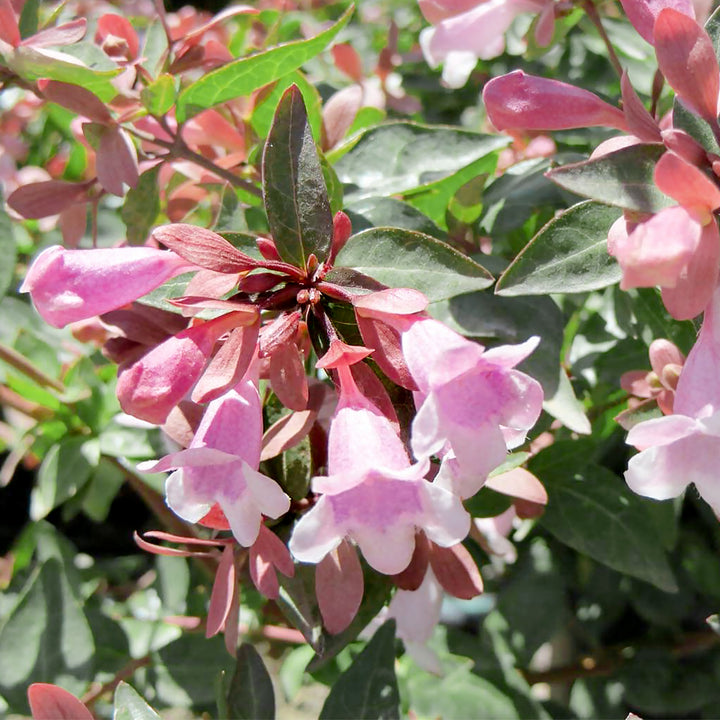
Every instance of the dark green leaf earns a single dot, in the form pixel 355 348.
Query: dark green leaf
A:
pixel 130 706
pixel 28 22
pixel 264 109
pixel 568 255
pixel 623 178
pixel 389 212
pixel 296 198
pixel 159 96
pixel 520 192
pixel 243 76
pixel 64 470
pixel 368 688
pixel 141 207
pixel 404 258
pixel 594 512
pixel 251 695
pixel 399 157
pixel 171 289
pixel 8 252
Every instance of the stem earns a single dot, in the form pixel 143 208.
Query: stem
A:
pixel 94 694
pixel 178 149
pixel 16 360
pixel 156 503
pixel 594 16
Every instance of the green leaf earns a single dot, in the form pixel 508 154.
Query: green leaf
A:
pixel 31 64
pixel 130 706
pixel 264 109
pixel 594 512
pixel 8 252
pixel 623 178
pixel 175 287
pixel 435 198
pixel 404 258
pixel 141 207
pixel 159 96
pixel 399 157
pixel 296 198
pixel 251 695
pixel 45 637
pixel 390 212
pixel 64 471
pixel 568 255
pixel 28 22
pixel 368 688
pixel 243 76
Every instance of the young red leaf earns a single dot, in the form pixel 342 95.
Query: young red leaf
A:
pixel 339 587
pixel 224 587
pixel 456 571
pixel 204 248
pixel 50 702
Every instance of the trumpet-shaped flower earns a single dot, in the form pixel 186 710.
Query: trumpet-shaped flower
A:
pixel 685 447
pixel 71 285
pixel 471 402
pixel 373 495
pixel 221 466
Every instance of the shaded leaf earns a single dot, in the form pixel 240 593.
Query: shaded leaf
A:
pixel 159 96
pixel 623 178
pixel 368 688
pixel 251 695
pixel 404 258
pixel 594 512
pixel 296 198
pixel 141 207
pixel 568 255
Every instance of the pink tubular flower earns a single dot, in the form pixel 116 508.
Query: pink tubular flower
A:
pixel 373 495
pixel 518 101
pixel 220 466
pixel 467 31
pixel 679 248
pixel 685 447
pixel 471 403
pixel 71 285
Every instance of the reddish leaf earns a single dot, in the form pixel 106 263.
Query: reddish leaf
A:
pixel 288 378
pixel 229 365
pixel 65 34
pixel 339 112
pixel 519 483
pixel 347 60
pixel 204 248
pixel 115 26
pixel 686 57
pixel 77 99
pixel 50 702
pixel 222 593
pixel 50 197
pixel 640 122
pixel 116 161
pixel 412 576
pixel 339 587
pixel 456 571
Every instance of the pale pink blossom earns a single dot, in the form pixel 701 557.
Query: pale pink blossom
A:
pixel 685 447
pixel 471 403
pixel 464 32
pixel 71 285
pixel 372 494
pixel 221 466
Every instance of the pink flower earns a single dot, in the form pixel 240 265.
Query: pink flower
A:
pixel 685 447
pixel 467 31
pixel 221 466
pixel 373 495
pixel 471 403
pixel 71 285
pixel 677 249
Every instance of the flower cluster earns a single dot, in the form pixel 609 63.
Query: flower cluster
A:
pixel 243 326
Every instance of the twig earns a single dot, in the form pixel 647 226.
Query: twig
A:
pixel 95 693
pixel 594 16
pixel 16 360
